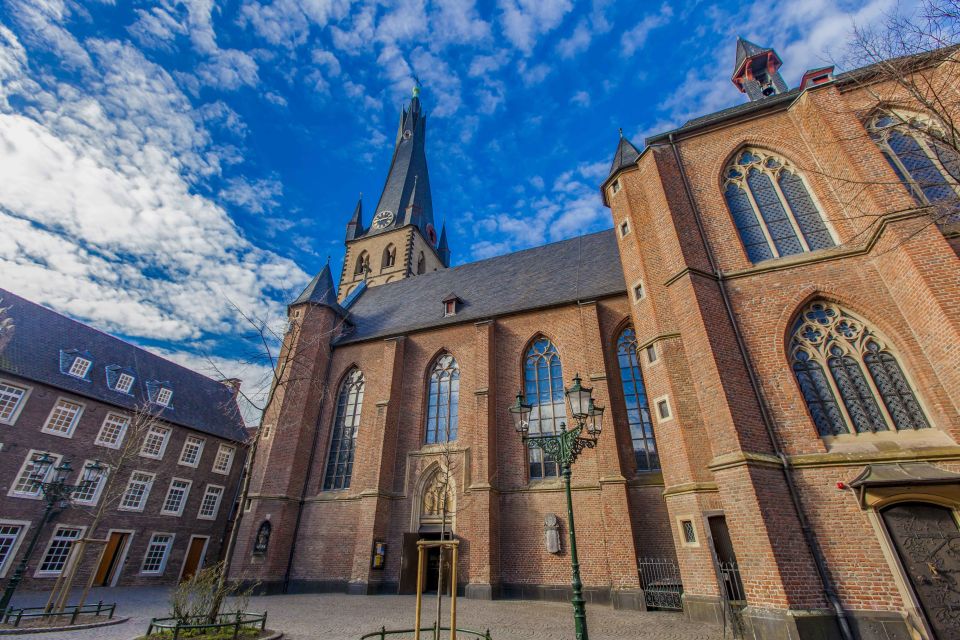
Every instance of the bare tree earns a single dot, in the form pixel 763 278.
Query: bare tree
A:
pixel 114 478
pixel 282 351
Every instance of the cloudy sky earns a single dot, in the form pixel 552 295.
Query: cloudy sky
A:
pixel 162 163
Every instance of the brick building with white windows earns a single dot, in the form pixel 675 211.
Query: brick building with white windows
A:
pixel 772 325
pixel 80 395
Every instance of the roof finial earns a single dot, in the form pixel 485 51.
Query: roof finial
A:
pixel 621 132
pixel 328 259
pixel 416 91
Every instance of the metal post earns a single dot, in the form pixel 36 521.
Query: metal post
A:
pixel 453 596
pixel 579 607
pixel 22 567
pixel 416 626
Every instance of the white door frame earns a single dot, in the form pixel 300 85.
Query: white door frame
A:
pixel 186 556
pixel 122 560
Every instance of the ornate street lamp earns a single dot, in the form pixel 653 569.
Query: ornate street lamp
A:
pixel 565 447
pixel 56 493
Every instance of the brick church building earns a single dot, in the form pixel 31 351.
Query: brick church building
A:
pixel 773 324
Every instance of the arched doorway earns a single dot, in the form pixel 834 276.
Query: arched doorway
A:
pixel 433 514
pixel 926 538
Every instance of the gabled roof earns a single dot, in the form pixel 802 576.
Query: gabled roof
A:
pixel 625 156
pixel 321 291
pixel 747 49
pixel 584 268
pixel 32 350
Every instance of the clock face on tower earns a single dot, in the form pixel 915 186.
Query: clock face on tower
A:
pixel 383 219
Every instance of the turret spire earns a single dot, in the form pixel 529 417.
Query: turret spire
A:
pixel 443 250
pixel 756 71
pixel 355 226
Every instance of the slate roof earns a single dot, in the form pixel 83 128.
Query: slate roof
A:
pixel 747 49
pixel 321 290
pixel 32 350
pixel 625 156
pixel 584 268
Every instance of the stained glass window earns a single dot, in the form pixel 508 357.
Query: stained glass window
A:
pixel 543 388
pixel 772 208
pixel 929 168
pixel 443 399
pixel 849 378
pixel 635 398
pixel 344 438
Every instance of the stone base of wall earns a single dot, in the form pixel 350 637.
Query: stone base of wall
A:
pixel 820 624
pixel 482 591
pixel 879 625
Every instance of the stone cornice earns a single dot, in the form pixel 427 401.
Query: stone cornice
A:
pixel 740 458
pixel 927 454
pixel 689 270
pixel 690 487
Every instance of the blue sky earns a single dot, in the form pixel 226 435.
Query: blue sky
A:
pixel 163 161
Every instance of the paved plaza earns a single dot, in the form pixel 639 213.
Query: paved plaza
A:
pixel 343 617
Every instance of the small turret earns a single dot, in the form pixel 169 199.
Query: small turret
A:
pixel 355 226
pixel 442 249
pixel 321 292
pixel 625 156
pixel 756 71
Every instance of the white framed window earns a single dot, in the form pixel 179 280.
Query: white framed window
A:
pixel 90 494
pixel 663 408
pixel 652 355
pixel 113 430
pixel 176 497
pixel 137 491
pixel 30 474
pixel 58 550
pixel 224 460
pixel 155 443
pixel 63 418
pixel 11 535
pixel 124 383
pixel 638 292
pixel 624 228
pixel 449 308
pixel 12 399
pixel 158 550
pixel 79 367
pixel 191 452
pixel 164 395
pixel 210 504
pixel 615 187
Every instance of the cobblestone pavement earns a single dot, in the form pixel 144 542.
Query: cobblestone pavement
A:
pixel 343 617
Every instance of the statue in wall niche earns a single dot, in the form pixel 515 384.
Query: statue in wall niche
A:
pixel 551 532
pixel 436 495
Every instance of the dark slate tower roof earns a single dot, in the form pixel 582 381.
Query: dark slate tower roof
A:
pixel 37 338
pixel 625 156
pixel 320 291
pixel 355 226
pixel 756 71
pixel 443 249
pixel 406 193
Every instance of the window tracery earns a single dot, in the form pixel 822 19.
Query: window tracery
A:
pixel 346 423
pixel 864 375
pixel 543 388
pixel 443 400
pixel 927 166
pixel 363 264
pixel 772 207
pixel 638 407
pixel 389 257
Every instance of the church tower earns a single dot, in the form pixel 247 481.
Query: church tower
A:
pixel 757 71
pixel 401 240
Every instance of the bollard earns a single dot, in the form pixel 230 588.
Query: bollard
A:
pixel 236 627
pixel 383 633
pixel 76 612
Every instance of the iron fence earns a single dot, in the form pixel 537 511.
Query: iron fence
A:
pixel 662 587
pixel 732 584
pixel 16 616
pixel 437 633
pixel 227 623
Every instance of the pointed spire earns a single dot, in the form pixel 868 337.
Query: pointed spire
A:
pixel 355 226
pixel 321 291
pixel 442 249
pixel 406 193
pixel 625 156
pixel 756 71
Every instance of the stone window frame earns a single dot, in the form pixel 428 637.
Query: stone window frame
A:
pixel 823 332
pixel 444 372
pixel 531 385
pixel 343 445
pixel 624 228
pixel 625 347
pixel 638 290
pixel 656 405
pixel 21 401
pixel 74 421
pixel 7 561
pixel 680 520
pixel 772 165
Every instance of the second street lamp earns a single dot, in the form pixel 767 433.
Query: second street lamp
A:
pixel 565 447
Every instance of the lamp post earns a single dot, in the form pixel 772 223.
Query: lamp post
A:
pixel 565 447
pixel 55 492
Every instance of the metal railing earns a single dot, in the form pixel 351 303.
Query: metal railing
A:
pixel 435 630
pixel 15 616
pixel 226 622
pixel 732 584
pixel 661 584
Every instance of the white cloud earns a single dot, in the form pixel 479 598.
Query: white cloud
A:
pixel 228 69
pixel 577 43
pixel 256 196
pixel 581 99
pixel 634 38
pixel 524 20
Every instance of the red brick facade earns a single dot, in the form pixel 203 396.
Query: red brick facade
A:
pixel 737 440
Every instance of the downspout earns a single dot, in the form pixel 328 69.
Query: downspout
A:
pixel 307 475
pixel 828 588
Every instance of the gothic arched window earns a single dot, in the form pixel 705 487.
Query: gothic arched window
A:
pixel 443 399
pixel 848 375
pixel 262 542
pixel 363 264
pixel 543 388
pixel 927 166
pixel 421 264
pixel 635 397
pixel 772 208
pixel 346 423
pixel 389 257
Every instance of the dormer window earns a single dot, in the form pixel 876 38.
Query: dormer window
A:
pixel 163 396
pixel 80 367
pixel 124 383
pixel 450 305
